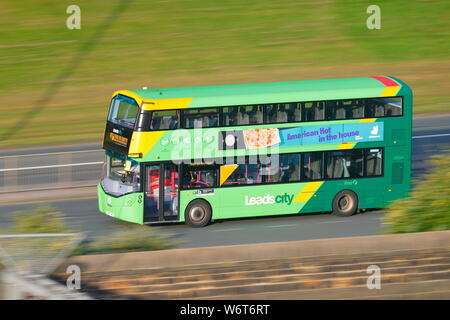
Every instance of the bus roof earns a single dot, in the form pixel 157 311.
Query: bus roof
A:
pixel 269 92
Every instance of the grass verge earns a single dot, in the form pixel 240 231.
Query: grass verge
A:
pixel 57 82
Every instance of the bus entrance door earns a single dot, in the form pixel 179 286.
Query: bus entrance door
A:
pixel 170 183
pixel 161 193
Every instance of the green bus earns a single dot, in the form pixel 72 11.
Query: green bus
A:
pixel 198 154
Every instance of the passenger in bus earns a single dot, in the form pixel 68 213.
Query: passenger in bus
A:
pixel 212 121
pixel 194 179
pixel 243 117
pixel 198 123
pixel 209 179
pixel 282 115
pixel 231 116
pixel 287 175
pixel 187 179
pixel 255 115
pixel 293 113
pixel 240 177
pixel 318 111
pixel 165 122
pixel 310 112
pixel 340 110
pixel 173 122
pixel 153 124
pixel 271 114
pixel 205 121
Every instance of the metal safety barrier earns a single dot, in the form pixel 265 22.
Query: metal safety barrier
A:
pixel 46 171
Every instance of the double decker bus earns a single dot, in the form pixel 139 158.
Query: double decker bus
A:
pixel 198 154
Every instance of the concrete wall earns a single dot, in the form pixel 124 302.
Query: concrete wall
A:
pixel 261 251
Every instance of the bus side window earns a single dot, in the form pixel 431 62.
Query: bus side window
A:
pixel 384 107
pixel 375 108
pixel 357 109
pixel 344 164
pixel 256 115
pixel 308 111
pixel 281 114
pixel 335 110
pixel 314 111
pixel 271 113
pixel 199 176
pixel 163 120
pixel 243 116
pixel 229 116
pixel 286 170
pixel 393 106
pixel 312 165
pixel 200 118
pixel 245 174
pixel 294 112
pixel 374 162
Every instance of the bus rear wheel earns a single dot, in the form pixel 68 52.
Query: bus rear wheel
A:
pixel 345 203
pixel 198 213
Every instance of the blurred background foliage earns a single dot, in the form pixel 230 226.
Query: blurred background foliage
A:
pixel 61 80
pixel 45 219
pixel 132 238
pixel 428 206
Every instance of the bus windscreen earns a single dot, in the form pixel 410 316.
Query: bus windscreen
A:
pixel 123 111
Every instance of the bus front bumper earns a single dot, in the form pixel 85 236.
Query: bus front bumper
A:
pixel 128 207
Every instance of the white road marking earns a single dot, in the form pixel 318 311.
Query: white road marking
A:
pixel 53 166
pixel 432 136
pixel 280 226
pixel 229 229
pixel 339 221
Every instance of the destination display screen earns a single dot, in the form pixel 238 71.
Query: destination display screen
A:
pixel 117 138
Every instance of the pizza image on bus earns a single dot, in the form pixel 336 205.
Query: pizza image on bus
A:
pixel 261 138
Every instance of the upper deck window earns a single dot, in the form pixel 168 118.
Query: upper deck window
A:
pixel 345 109
pixel 201 118
pixel 314 111
pixel 163 120
pixel 384 107
pixel 123 111
pixel 242 115
pixel 283 112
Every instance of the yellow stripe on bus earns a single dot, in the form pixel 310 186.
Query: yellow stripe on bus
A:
pixel 367 120
pixel 142 142
pixel 226 171
pixel 166 104
pixel 390 91
pixel 130 94
pixel 308 191
pixel 347 145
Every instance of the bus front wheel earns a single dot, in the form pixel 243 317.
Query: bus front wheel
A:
pixel 345 203
pixel 198 213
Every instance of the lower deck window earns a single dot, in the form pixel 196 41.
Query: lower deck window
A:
pixel 374 162
pixel 345 164
pixel 199 176
pixel 245 174
pixel 286 170
pixel 312 165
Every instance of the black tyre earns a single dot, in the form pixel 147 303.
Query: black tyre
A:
pixel 198 213
pixel 345 203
